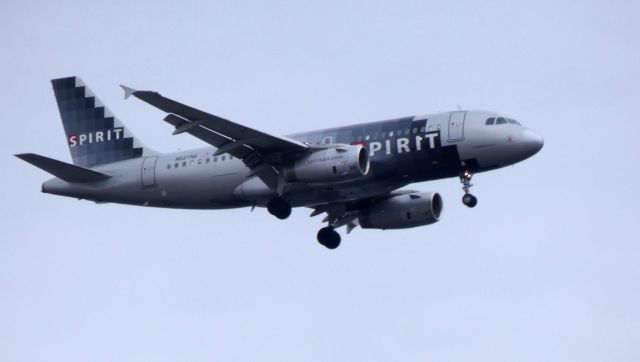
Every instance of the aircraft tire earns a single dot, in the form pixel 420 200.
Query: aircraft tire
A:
pixel 329 238
pixel 469 200
pixel 279 208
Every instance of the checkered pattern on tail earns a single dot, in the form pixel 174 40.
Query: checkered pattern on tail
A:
pixel 95 136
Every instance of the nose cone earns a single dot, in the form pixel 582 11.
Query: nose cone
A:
pixel 531 142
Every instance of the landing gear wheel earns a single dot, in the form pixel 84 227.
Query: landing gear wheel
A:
pixel 329 237
pixel 469 200
pixel 279 208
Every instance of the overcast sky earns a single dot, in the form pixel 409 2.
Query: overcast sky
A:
pixel 545 268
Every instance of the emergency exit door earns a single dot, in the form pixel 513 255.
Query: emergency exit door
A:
pixel 456 125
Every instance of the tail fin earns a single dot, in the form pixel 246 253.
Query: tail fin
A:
pixel 95 136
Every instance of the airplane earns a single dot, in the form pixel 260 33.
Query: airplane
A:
pixel 354 174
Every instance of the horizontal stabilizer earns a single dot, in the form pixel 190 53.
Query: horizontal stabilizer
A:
pixel 63 170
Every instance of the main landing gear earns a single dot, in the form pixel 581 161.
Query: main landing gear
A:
pixel 328 237
pixel 467 199
pixel 279 208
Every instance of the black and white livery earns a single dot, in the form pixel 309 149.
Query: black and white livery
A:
pixel 354 175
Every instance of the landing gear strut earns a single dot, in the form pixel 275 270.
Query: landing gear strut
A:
pixel 279 208
pixel 329 237
pixel 467 199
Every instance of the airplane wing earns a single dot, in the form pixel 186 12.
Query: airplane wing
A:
pixel 260 151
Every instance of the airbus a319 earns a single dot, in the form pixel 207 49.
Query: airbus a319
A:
pixel 353 174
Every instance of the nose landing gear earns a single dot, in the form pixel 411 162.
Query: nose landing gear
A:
pixel 468 199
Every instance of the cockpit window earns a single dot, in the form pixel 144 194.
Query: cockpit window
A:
pixel 501 120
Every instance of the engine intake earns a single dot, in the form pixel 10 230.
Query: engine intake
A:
pixel 403 211
pixel 330 165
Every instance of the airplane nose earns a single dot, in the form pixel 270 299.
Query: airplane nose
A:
pixel 532 142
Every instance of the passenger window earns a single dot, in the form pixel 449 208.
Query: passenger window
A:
pixel 415 130
pixel 200 161
pixel 490 121
pixel 215 159
pixel 184 163
pixel 366 137
pixel 192 162
pixel 224 157
pixel 168 166
pixel 422 129
pixel 176 165
pixel 327 140
pixel 208 159
pixel 501 120
pixel 391 134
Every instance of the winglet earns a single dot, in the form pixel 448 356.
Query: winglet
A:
pixel 127 91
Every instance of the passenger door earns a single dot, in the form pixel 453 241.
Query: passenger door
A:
pixel 456 126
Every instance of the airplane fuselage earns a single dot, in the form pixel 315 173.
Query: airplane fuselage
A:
pixel 402 151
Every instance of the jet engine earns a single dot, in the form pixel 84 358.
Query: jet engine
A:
pixel 402 211
pixel 330 165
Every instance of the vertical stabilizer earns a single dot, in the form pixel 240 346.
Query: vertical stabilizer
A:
pixel 94 135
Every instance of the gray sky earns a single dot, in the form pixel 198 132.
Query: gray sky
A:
pixel 544 268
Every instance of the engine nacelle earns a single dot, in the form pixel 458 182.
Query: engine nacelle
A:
pixel 330 165
pixel 403 211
